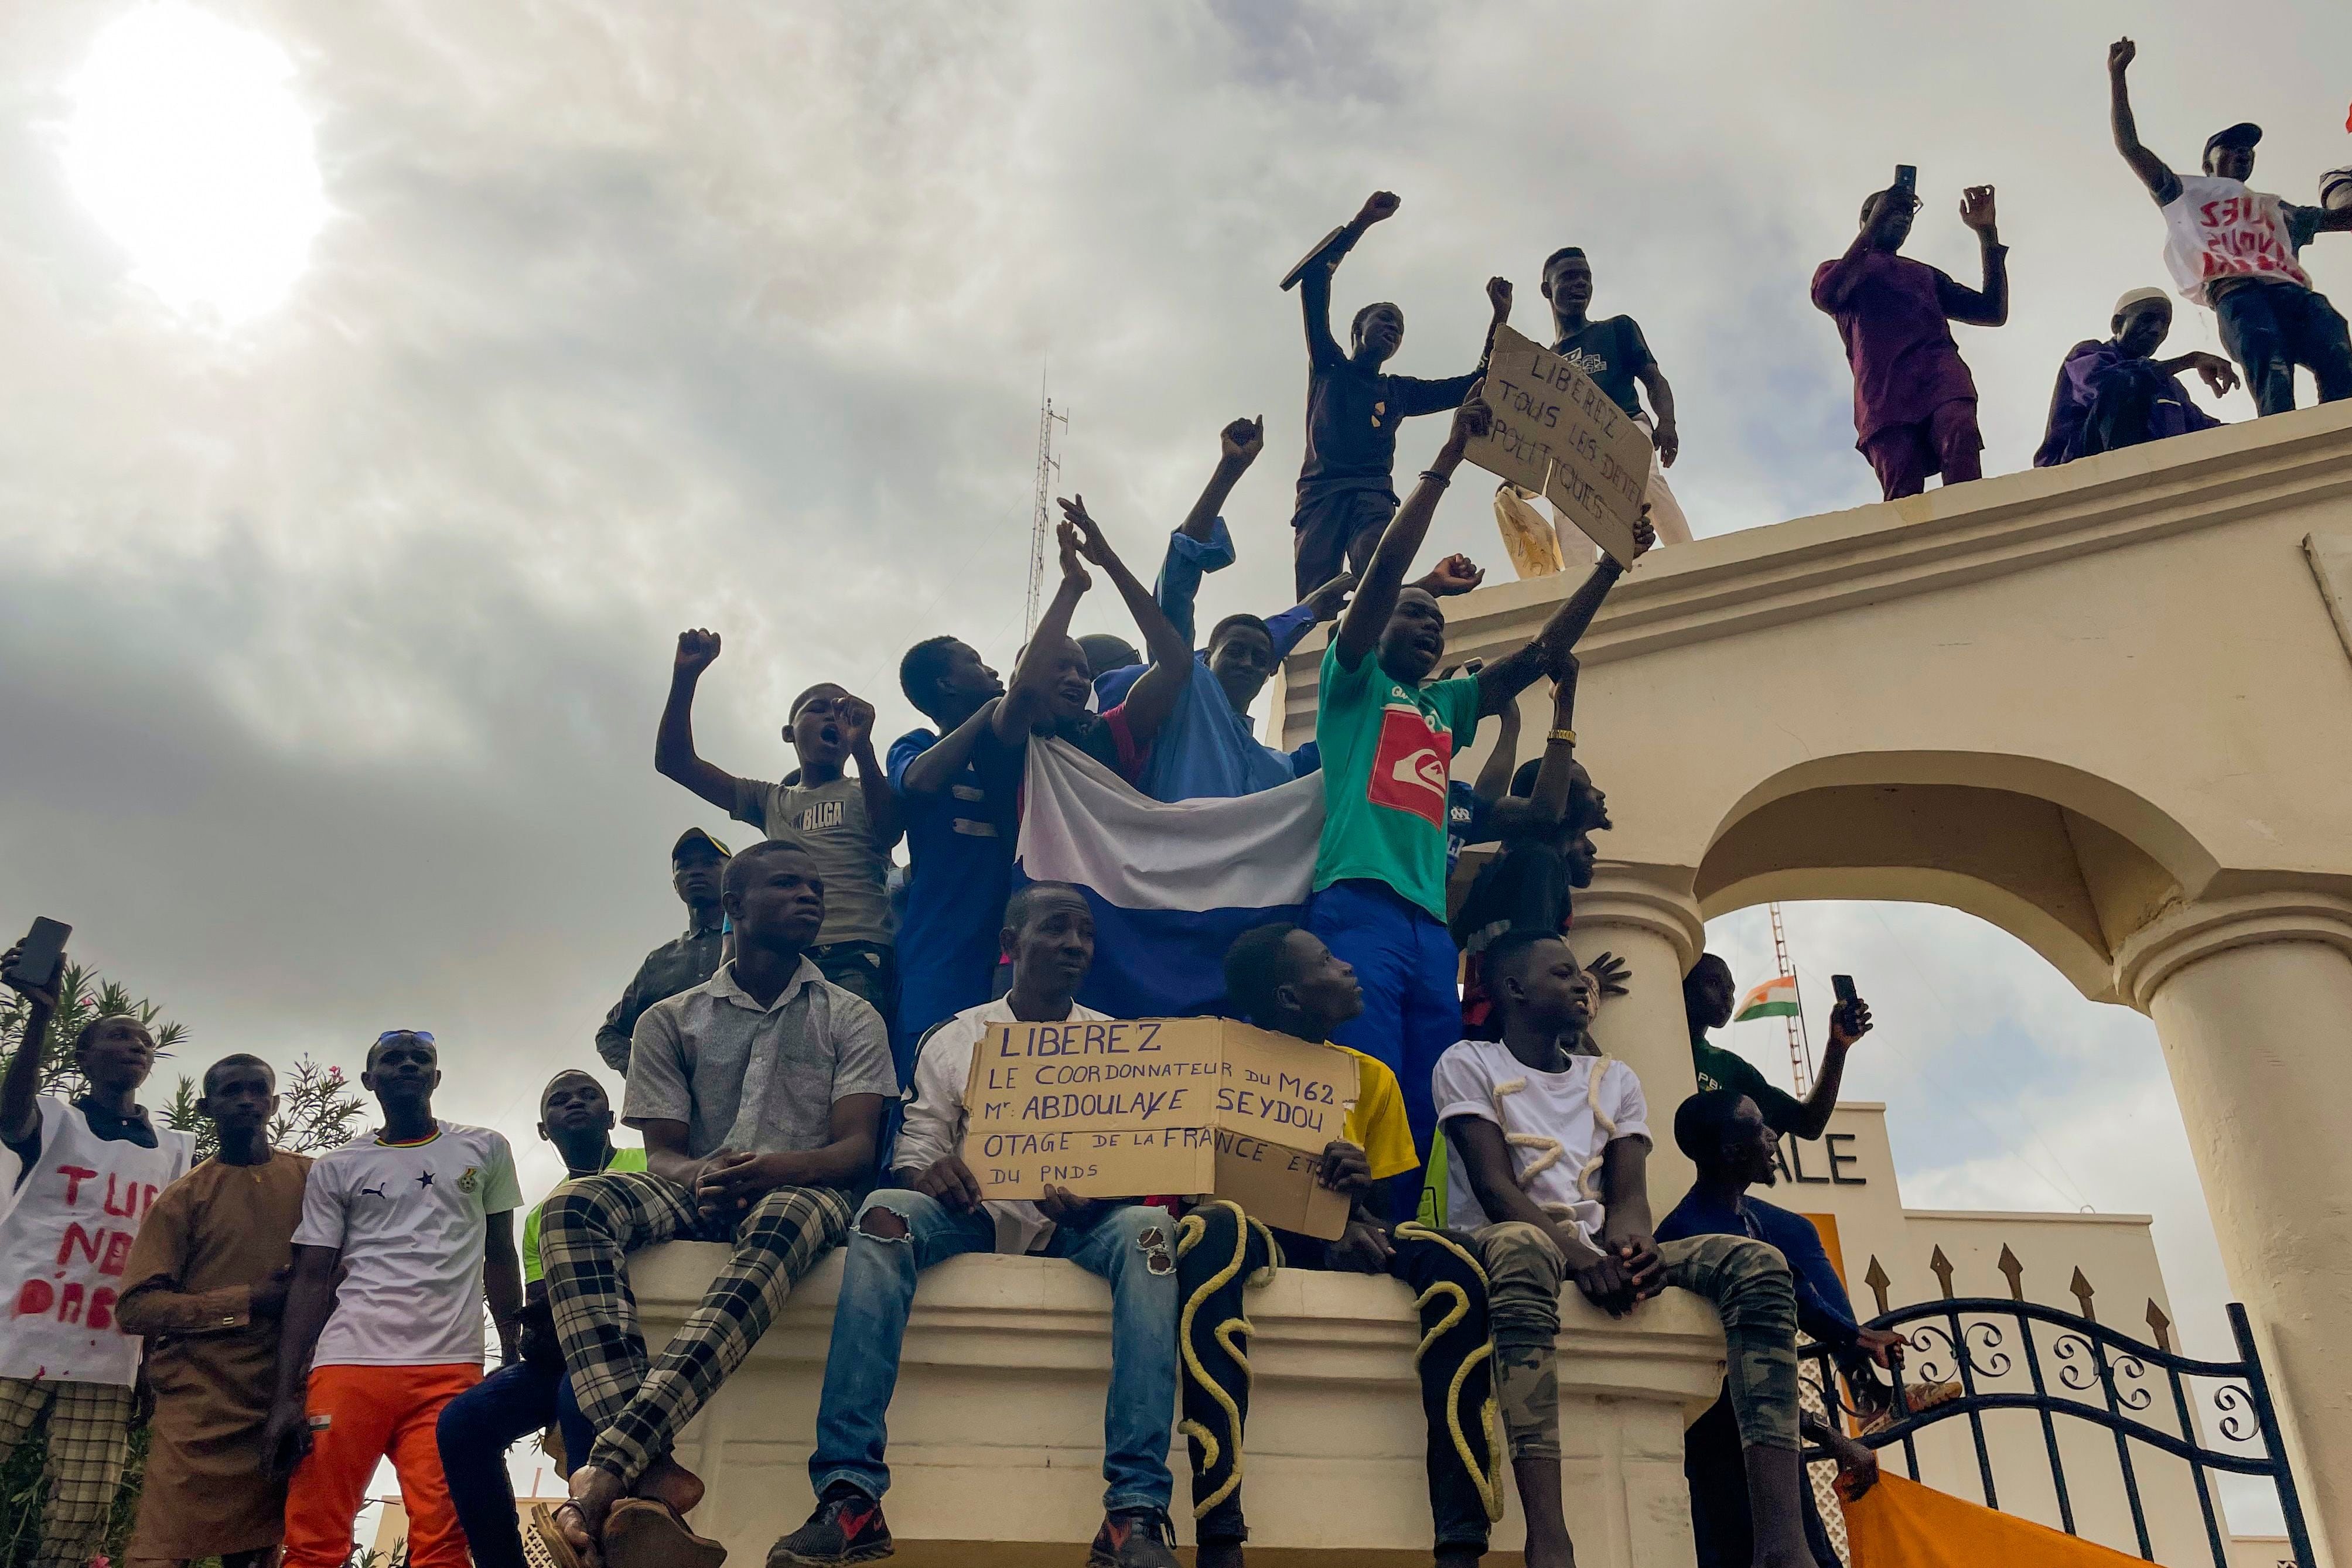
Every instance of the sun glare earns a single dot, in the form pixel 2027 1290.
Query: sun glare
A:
pixel 186 143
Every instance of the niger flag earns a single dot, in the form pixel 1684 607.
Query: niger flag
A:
pixel 1775 998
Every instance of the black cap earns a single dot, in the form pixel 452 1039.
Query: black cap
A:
pixel 2245 134
pixel 697 836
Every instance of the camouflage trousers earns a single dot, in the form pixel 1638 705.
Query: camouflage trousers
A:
pixel 1747 1281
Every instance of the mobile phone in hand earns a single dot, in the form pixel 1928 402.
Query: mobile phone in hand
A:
pixel 38 955
pixel 1843 985
pixel 1907 179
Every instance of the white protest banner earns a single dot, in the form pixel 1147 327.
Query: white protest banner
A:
pixel 1142 1106
pixel 1558 433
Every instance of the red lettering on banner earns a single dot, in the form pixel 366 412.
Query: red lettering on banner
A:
pixel 76 1234
pixel 70 1304
pixel 129 1198
pixel 75 1175
pixel 101 1308
pixel 118 1252
pixel 34 1298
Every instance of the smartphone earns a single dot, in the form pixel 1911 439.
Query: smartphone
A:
pixel 36 959
pixel 1843 985
pixel 1906 178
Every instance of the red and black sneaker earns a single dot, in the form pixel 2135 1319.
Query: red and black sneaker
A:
pixel 847 1527
pixel 1134 1538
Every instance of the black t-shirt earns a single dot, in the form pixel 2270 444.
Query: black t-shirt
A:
pixel 1612 352
pixel 1353 412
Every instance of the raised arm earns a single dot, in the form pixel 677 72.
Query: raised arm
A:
pixel 882 820
pixel 1410 395
pixel 1315 285
pixel 20 1087
pixel 1502 681
pixel 1503 760
pixel 1988 307
pixel 1238 445
pixel 1367 615
pixel 1559 747
pixel 2161 182
pixel 1848 1024
pixel 1835 281
pixel 1028 703
pixel 1153 697
pixel 674 755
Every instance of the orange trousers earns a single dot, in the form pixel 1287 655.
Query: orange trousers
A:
pixel 359 1414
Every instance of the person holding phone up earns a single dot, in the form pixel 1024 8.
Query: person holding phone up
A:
pixel 1708 996
pixel 1915 403
pixel 87 1171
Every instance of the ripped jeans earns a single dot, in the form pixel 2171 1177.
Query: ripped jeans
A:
pixel 869 1325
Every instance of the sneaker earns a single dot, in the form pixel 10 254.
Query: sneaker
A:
pixel 1917 1397
pixel 1134 1538
pixel 847 1527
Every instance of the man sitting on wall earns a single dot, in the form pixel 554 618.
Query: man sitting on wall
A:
pixel 932 1211
pixel 1280 977
pixel 1547 1149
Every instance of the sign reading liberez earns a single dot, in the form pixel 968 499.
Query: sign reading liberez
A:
pixel 1558 433
pixel 1160 1105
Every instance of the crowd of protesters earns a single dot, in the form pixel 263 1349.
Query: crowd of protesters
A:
pixel 796 1060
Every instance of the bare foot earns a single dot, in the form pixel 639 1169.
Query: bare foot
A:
pixel 594 1490
pixel 673 1486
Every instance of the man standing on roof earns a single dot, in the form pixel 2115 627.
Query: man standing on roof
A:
pixel 2236 249
pixel 1346 492
pixel 1915 403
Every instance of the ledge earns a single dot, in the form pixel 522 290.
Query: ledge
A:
pixel 996 1427
pixel 1727 584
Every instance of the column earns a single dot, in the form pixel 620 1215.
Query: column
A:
pixel 2251 998
pixel 1645 914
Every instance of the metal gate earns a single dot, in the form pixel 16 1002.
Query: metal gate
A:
pixel 2102 1378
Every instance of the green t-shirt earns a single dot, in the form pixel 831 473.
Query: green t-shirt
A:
pixel 622 1160
pixel 1719 1069
pixel 1387 748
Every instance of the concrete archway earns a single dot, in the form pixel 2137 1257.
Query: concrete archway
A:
pixel 2107 707
pixel 2066 861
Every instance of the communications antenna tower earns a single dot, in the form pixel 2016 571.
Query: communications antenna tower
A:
pixel 1800 1048
pixel 1041 523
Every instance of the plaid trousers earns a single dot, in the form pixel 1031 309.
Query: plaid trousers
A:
pixel 88 1438
pixel 585 1233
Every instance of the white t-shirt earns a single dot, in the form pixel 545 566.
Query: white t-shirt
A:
pixel 66 1241
pixel 411 1221
pixel 1550 1121
pixel 933 1127
pixel 2218 228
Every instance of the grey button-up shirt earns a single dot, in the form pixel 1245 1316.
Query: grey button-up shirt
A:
pixel 756 1080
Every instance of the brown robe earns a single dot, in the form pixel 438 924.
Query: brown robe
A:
pixel 212 1236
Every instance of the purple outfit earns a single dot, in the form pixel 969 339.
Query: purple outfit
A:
pixel 1914 399
pixel 2104 400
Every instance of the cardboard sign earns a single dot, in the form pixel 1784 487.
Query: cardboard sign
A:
pixel 1558 433
pixel 1145 1106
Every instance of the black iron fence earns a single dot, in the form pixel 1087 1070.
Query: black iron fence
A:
pixel 2062 1367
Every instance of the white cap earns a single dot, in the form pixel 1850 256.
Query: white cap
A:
pixel 2141 295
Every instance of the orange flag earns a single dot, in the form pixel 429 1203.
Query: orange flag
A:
pixel 1899 1523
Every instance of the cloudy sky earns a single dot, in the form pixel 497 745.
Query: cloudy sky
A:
pixel 385 386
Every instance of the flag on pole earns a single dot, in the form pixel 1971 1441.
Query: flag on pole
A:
pixel 1775 998
pixel 1170 884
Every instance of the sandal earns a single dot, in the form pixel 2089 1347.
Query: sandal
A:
pixel 641 1533
pixel 552 1540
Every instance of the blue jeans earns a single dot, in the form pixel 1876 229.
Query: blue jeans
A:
pixel 1132 1248
pixel 1409 968
pixel 474 1431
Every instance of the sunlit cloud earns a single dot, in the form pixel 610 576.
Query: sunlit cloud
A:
pixel 187 144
